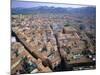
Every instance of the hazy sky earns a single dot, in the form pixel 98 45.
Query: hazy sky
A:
pixel 26 4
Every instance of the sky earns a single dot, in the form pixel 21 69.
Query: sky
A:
pixel 28 4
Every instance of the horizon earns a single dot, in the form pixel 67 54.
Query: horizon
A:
pixel 31 4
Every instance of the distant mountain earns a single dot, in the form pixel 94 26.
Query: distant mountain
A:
pixel 46 9
pixel 85 10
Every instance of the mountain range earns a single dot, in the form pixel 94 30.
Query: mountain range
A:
pixel 46 9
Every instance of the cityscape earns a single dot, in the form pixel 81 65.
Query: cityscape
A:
pixel 48 37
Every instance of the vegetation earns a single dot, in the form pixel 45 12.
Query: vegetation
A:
pixel 67 24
